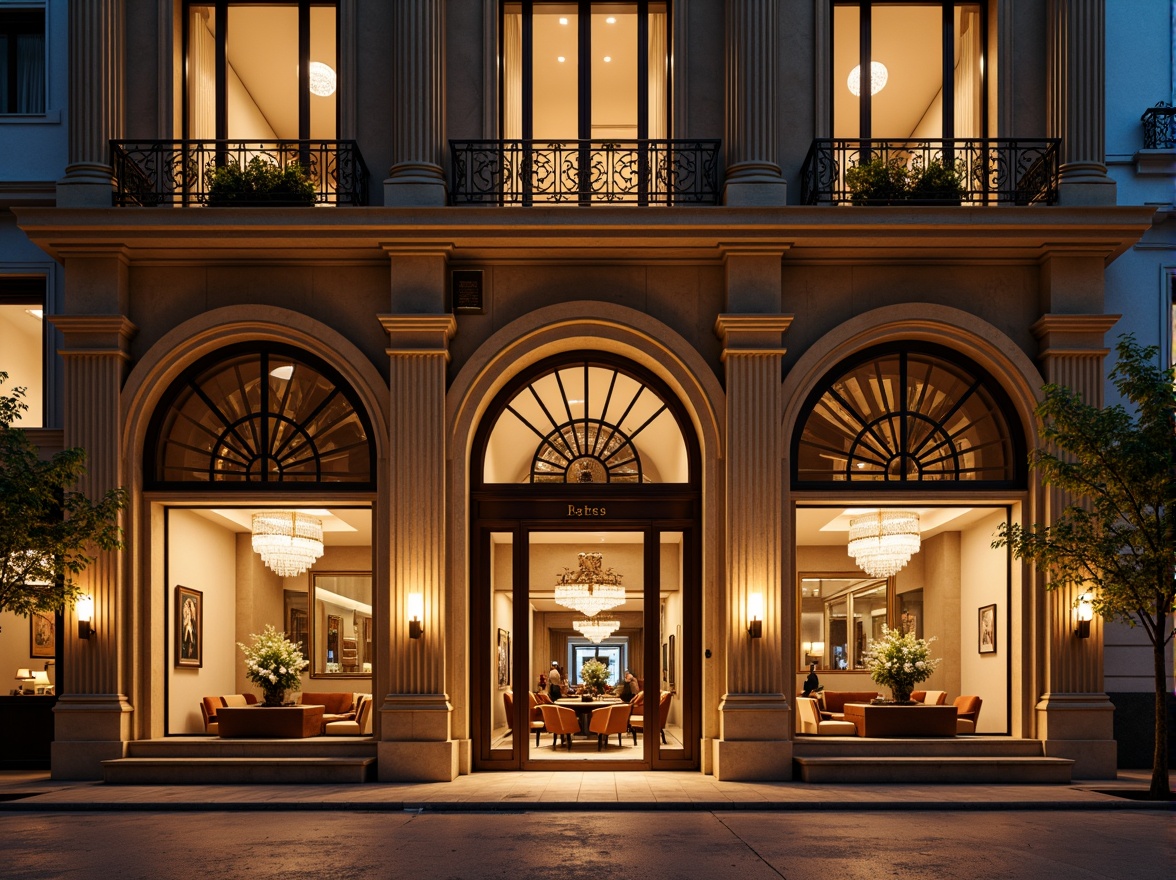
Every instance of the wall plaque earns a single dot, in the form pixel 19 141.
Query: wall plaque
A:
pixel 467 292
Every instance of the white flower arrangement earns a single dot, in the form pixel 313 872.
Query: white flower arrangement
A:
pixel 274 663
pixel 594 676
pixel 899 661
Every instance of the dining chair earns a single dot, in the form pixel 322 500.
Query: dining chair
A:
pixel 609 720
pixel 967 713
pixel 560 721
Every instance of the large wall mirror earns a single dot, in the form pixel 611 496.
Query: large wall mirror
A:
pixel 341 625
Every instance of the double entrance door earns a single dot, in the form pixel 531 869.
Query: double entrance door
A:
pixel 600 604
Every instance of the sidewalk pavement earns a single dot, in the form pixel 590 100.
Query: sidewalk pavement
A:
pixel 549 791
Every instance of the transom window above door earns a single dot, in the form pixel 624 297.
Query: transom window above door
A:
pixel 904 417
pixel 586 422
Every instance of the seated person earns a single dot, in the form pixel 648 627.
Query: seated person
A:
pixel 630 688
pixel 811 684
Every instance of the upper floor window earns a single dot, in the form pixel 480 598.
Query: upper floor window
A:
pixel 22 344
pixel 260 71
pixel 22 60
pixel 585 70
pixel 912 91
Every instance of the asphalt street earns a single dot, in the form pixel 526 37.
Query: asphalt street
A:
pixel 922 845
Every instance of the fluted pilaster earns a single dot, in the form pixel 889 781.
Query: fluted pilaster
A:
pixel 1074 713
pixel 1077 98
pixel 95 100
pixel 415 729
pixel 418 124
pixel 753 175
pixel 754 712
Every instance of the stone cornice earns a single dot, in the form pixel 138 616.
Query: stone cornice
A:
pixel 845 235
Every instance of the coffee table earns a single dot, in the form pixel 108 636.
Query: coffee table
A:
pixel 271 722
pixel 894 720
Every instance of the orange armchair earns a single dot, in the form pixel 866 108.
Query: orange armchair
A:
pixel 637 719
pixel 560 722
pixel 609 720
pixel 534 719
pixel 967 713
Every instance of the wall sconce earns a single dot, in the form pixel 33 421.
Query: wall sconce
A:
pixel 416 610
pixel 1083 614
pixel 755 610
pixel 85 614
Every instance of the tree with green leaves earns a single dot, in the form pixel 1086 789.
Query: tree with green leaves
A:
pixel 48 530
pixel 1117 537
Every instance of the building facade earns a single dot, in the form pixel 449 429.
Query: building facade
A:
pixel 582 300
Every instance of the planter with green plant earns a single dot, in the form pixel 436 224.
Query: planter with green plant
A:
pixel 261 182
pixel 889 181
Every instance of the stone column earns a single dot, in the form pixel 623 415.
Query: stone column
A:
pixel 95 101
pixel 92 720
pixel 418 123
pixel 1074 716
pixel 753 175
pixel 415 742
pixel 755 739
pixel 1077 97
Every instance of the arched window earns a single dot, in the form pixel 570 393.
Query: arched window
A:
pixel 905 416
pixel 586 420
pixel 261 415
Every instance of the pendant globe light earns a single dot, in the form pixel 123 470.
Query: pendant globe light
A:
pixel 883 541
pixel 591 588
pixel 287 541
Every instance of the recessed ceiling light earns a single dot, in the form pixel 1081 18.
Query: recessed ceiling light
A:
pixel 607 59
pixel 611 20
pixel 563 21
pixel 560 59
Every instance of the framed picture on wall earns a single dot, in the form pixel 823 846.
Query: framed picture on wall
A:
pixel 988 629
pixel 42 635
pixel 503 658
pixel 189 627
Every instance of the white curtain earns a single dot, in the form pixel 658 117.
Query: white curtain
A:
pixel 967 75
pixel 658 76
pixel 512 77
pixel 201 76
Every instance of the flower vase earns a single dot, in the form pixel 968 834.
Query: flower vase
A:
pixel 901 695
pixel 273 696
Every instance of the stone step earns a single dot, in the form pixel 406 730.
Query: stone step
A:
pixel 839 746
pixel 213 747
pixel 937 769
pixel 247 771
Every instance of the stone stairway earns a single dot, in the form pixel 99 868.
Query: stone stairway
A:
pixel 208 760
pixel 965 760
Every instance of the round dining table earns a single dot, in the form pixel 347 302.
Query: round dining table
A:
pixel 584 708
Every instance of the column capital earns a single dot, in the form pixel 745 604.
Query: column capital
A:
pixel 94 334
pixel 1073 335
pixel 419 334
pixel 752 334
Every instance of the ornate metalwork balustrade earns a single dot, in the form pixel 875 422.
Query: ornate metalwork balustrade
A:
pixel 152 173
pixel 583 172
pixel 991 171
pixel 1159 127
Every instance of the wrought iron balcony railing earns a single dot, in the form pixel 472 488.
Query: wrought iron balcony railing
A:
pixel 990 171
pixel 583 172
pixel 152 173
pixel 1159 127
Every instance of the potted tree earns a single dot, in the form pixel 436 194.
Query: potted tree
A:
pixel 261 182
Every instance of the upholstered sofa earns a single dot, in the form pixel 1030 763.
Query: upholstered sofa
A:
pixel 209 705
pixel 358 723
pixel 812 723
pixel 336 706
pixel 832 703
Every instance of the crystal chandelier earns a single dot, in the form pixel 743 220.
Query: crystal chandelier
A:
pixel 590 589
pixel 596 630
pixel 883 541
pixel 322 79
pixel 287 541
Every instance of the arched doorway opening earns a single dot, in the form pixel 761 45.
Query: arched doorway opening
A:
pixel 250 434
pixel 926 436
pixel 585 546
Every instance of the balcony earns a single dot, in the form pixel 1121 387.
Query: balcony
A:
pixel 583 172
pixel 155 173
pixel 992 171
pixel 1159 127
